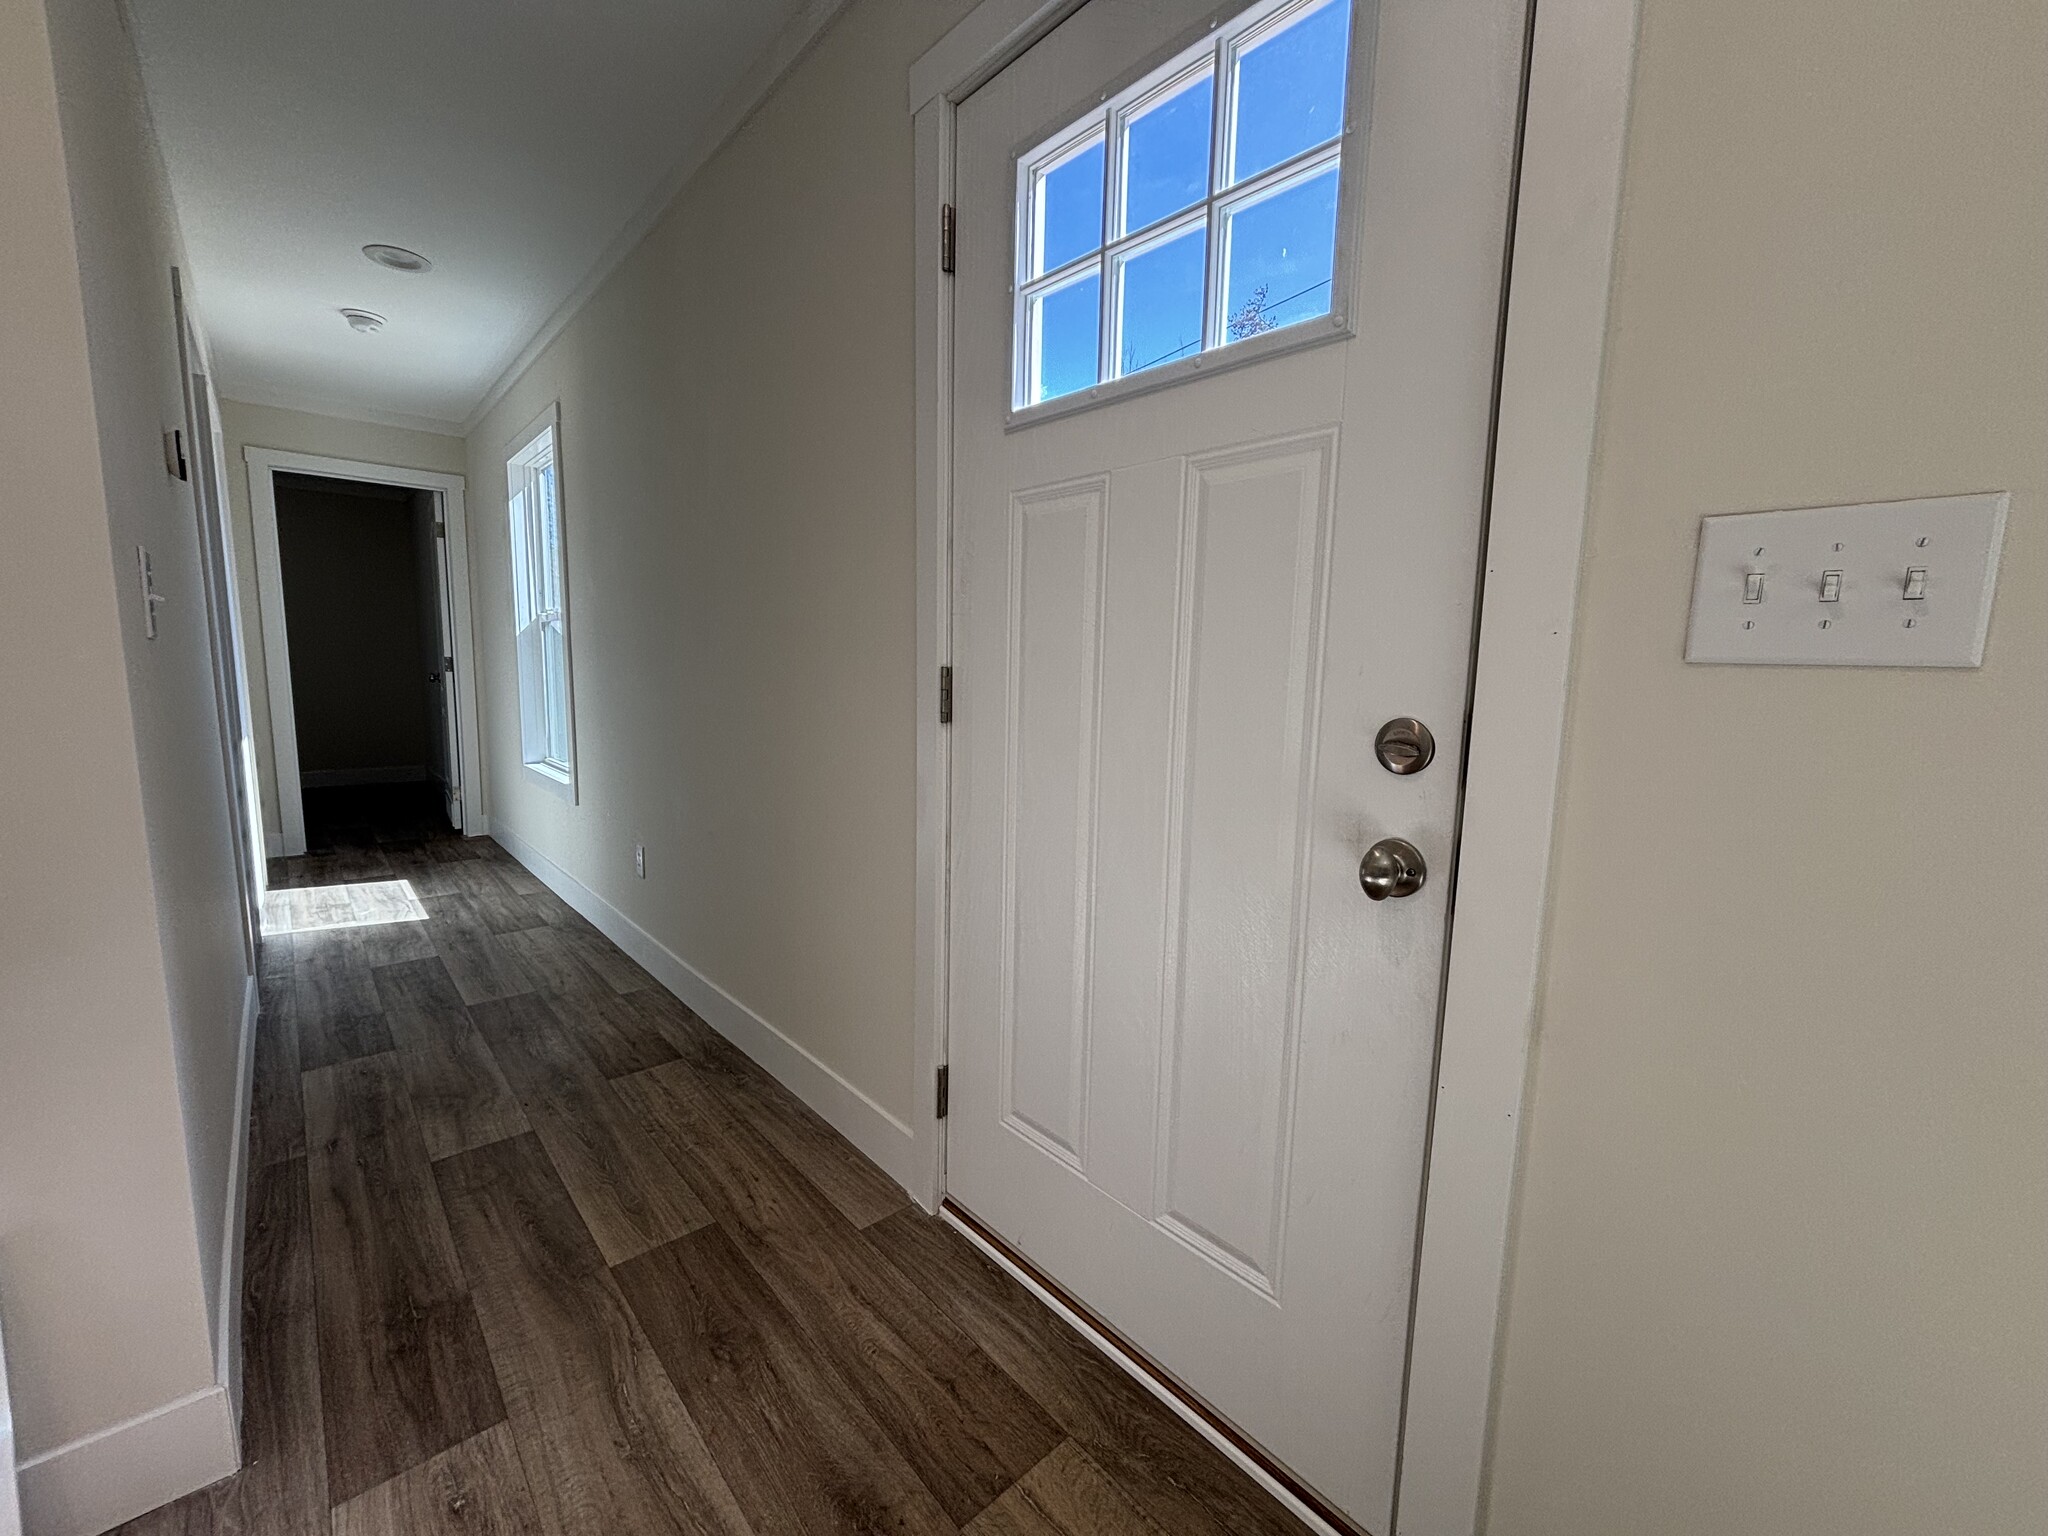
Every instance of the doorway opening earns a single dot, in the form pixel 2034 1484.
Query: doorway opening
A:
pixel 360 564
pixel 364 583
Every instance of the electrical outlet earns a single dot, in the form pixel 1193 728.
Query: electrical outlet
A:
pixel 640 860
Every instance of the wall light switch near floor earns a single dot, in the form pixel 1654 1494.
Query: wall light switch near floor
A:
pixel 1884 584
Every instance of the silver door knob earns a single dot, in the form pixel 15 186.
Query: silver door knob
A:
pixel 1392 867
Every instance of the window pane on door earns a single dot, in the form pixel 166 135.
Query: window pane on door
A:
pixel 1069 212
pixel 1159 302
pixel 1290 90
pixel 1066 337
pixel 1166 154
pixel 1219 219
pixel 1279 253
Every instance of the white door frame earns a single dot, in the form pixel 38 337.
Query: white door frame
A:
pixel 264 463
pixel 1581 62
pixel 208 484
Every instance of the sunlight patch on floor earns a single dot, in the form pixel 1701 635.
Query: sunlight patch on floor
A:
pixel 308 909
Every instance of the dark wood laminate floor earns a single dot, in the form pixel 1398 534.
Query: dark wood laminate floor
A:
pixel 533 1250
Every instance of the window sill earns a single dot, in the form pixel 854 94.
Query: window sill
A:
pixel 553 780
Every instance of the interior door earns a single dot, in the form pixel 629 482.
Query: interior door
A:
pixel 447 712
pixel 1201 557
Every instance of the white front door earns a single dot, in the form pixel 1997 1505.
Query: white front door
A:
pixel 1227 296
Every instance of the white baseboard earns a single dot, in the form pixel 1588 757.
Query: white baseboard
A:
pixel 884 1139
pixel 95 1483
pixel 341 778
pixel 123 1471
pixel 227 1358
pixel 479 825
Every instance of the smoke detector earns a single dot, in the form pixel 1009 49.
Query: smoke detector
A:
pixel 398 258
pixel 363 320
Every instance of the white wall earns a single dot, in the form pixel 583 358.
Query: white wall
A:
pixel 266 426
pixel 739 502
pixel 121 963
pixel 1782 1258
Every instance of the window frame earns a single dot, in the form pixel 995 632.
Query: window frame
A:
pixel 1213 51
pixel 530 618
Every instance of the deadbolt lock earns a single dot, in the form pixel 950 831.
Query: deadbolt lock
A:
pixel 1404 745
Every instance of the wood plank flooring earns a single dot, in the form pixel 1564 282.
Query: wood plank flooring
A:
pixel 533 1250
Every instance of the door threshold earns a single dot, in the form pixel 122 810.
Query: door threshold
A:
pixel 1301 1501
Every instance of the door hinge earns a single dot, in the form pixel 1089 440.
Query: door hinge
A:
pixel 945 695
pixel 945 1092
pixel 946 238
pixel 440 529
pixel 448 664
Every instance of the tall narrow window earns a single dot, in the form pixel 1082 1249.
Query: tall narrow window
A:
pixel 540 605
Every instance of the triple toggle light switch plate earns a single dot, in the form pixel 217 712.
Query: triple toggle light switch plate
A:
pixel 1885 584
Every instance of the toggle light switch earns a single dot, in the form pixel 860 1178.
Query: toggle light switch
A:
pixel 151 598
pixel 1899 584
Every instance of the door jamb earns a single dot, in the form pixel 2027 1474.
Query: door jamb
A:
pixel 263 464
pixel 1561 263
pixel 209 488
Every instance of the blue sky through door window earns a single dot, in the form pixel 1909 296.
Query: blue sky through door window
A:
pixel 1166 163
pixel 1162 302
pixel 1070 209
pixel 1290 91
pixel 1280 253
pixel 1196 209
pixel 1067 332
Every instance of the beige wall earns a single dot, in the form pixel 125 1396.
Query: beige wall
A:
pixel 740 514
pixel 1780 1258
pixel 120 955
pixel 264 426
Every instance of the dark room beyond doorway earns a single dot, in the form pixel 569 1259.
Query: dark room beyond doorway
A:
pixel 360 569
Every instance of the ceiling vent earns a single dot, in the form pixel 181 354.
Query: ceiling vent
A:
pixel 398 258
pixel 363 320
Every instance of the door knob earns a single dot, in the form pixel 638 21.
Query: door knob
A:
pixel 1392 867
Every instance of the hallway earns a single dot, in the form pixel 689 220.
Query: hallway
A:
pixel 532 1249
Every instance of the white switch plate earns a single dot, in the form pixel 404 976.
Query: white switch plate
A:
pixel 1953 539
pixel 145 571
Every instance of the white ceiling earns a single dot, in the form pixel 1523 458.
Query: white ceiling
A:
pixel 512 142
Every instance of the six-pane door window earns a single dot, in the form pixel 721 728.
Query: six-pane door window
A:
pixel 1196 209
pixel 540 608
